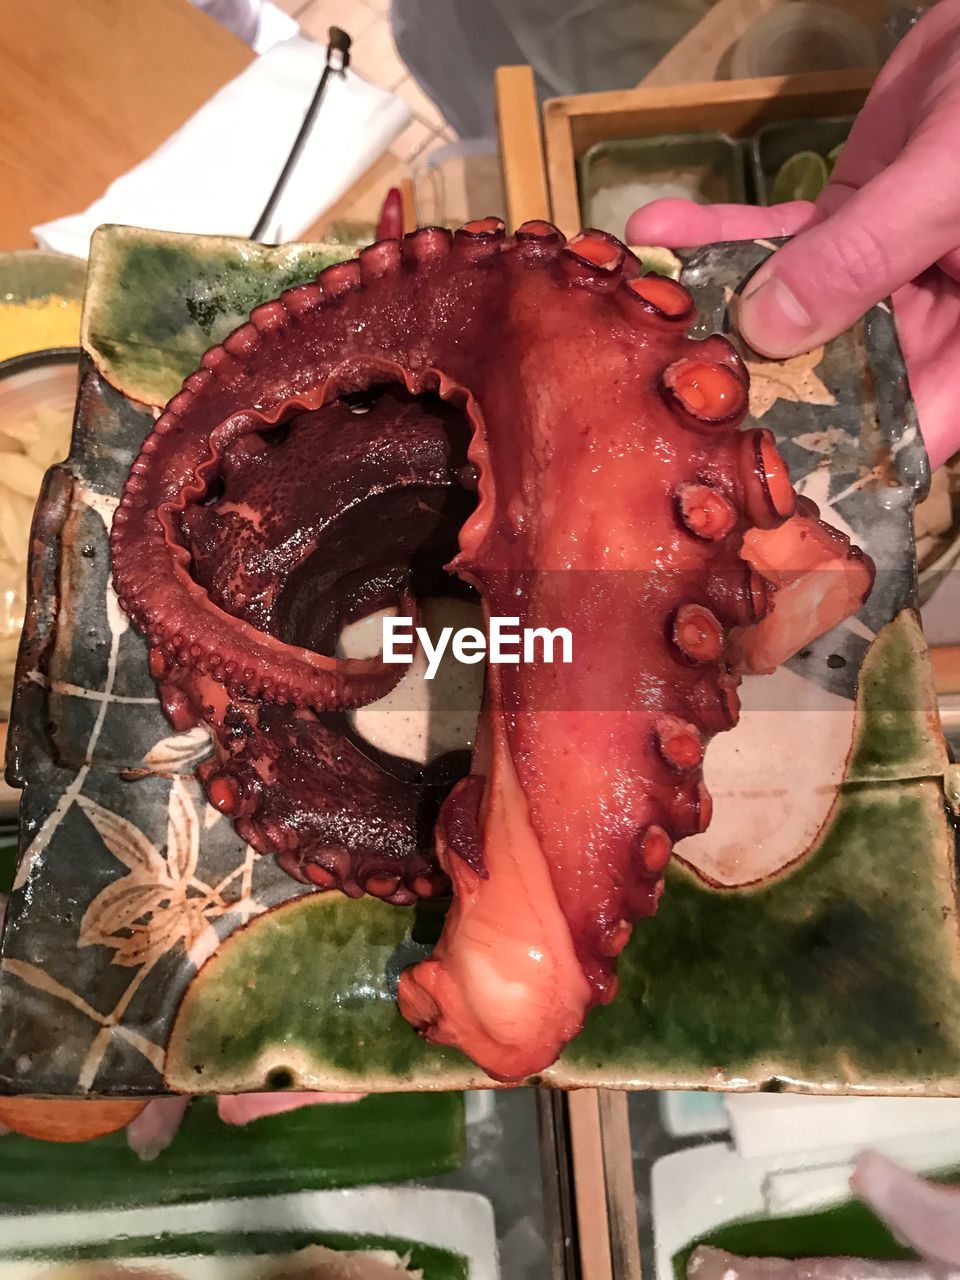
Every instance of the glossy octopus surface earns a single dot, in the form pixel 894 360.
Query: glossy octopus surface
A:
pixel 521 420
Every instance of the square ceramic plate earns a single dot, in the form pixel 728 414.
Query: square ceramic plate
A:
pixel 809 940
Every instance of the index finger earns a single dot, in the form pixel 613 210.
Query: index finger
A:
pixel 681 224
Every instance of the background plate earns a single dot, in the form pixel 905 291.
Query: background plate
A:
pixel 449 1234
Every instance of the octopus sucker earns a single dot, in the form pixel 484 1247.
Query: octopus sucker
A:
pixel 520 422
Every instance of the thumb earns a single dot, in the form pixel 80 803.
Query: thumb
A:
pixel 884 235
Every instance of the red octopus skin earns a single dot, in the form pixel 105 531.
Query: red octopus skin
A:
pixel 615 493
pixel 290 557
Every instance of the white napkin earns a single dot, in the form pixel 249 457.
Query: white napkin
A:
pixel 216 173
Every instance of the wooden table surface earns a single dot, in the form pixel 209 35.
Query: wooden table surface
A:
pixel 90 87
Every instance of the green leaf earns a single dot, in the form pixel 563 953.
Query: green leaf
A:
pixel 897 734
pixel 339 1145
pixel 847 1230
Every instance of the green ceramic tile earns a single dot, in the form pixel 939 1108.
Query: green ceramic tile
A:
pixel 720 988
pixel 199 289
pixel 897 733
pixel 243 1019
pixel 839 972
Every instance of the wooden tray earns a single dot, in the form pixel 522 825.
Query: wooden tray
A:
pixel 736 107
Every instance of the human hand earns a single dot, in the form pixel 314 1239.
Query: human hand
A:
pixel 888 223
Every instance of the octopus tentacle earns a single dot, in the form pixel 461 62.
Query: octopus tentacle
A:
pixel 297 560
pixel 606 489
pixel 812 577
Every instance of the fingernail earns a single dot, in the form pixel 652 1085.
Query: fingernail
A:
pixel 773 319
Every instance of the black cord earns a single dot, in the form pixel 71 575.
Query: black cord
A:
pixel 338 59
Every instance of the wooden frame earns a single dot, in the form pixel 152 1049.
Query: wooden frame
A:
pixel 520 146
pixel 736 107
pixel 590 1205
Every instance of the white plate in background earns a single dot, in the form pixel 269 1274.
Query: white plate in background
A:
pixel 697 1190
pixel 460 1221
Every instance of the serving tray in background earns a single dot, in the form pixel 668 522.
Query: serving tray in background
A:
pixel 739 108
